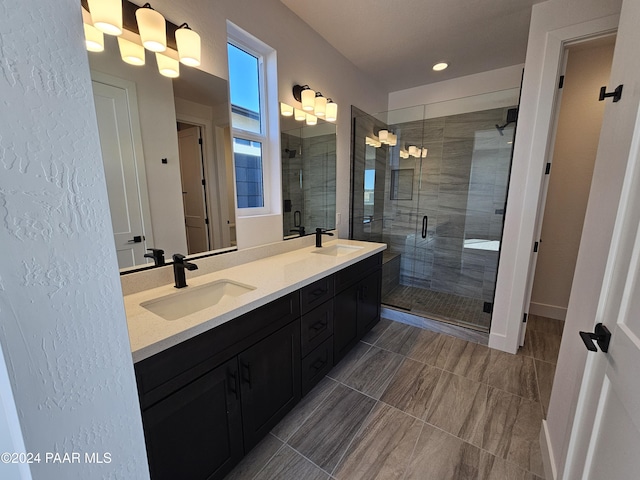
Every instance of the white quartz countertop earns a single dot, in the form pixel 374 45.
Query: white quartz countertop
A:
pixel 272 277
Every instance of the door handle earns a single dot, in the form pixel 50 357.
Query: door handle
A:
pixel 425 221
pixel 136 239
pixel 246 367
pixel 601 335
pixel 233 383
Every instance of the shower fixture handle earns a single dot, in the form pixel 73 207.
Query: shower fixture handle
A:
pixel 425 222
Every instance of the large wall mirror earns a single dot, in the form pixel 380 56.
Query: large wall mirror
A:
pixel 308 176
pixel 166 146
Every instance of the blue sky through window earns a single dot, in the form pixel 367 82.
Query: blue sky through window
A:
pixel 369 179
pixel 243 79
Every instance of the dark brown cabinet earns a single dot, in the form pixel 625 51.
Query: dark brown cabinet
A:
pixel 270 382
pixel 197 431
pixel 357 304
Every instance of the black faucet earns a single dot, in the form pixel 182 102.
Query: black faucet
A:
pixel 157 255
pixel 319 233
pixel 179 265
pixel 299 230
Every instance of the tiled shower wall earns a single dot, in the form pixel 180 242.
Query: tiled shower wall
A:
pixel 315 159
pixel 460 187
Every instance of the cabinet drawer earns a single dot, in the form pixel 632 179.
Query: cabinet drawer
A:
pixel 169 370
pixel 316 327
pixel 350 275
pixel 318 292
pixel 316 365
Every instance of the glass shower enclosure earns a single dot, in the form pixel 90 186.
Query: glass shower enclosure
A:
pixel 431 182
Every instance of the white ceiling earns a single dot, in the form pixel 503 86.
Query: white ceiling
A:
pixel 396 42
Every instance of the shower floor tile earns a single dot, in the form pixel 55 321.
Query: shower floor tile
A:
pixel 440 306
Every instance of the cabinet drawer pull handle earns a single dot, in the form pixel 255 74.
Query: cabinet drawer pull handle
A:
pixel 319 326
pixel 319 291
pixel 233 383
pixel 318 364
pixel 246 367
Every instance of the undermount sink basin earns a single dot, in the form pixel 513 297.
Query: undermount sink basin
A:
pixel 337 250
pixel 193 299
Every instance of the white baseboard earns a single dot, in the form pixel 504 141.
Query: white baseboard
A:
pixel 551 311
pixel 548 460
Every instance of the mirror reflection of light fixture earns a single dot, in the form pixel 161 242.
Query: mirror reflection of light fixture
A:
pixel 131 52
pixel 392 139
pixel 373 142
pixel 106 16
pixel 424 153
pixel 299 115
pixel 404 153
pixel 414 151
pixel 152 27
pixel 188 43
pixel 286 110
pixel 320 105
pixel 94 38
pixel 167 66
pixel 331 114
pixel 312 119
pixel 383 135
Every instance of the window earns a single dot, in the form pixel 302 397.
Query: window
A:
pixel 245 84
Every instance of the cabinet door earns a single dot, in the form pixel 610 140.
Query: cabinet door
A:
pixel 270 382
pixel 369 302
pixel 345 325
pixel 196 432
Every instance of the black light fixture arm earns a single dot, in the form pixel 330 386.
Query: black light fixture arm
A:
pixel 297 91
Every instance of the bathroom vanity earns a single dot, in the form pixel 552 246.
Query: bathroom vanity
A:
pixel 214 383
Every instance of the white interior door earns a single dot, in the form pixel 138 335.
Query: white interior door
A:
pixel 193 190
pixel 118 156
pixel 605 438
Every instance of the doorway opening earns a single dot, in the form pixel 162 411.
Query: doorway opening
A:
pixel 568 176
pixel 194 187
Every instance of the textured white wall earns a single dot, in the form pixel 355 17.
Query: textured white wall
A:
pixel 63 330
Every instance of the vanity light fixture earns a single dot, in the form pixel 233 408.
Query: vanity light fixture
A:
pixel 311 119
pixel 424 153
pixel 167 66
pixel 131 52
pixel 286 110
pixel 299 115
pixel 404 153
pixel 414 151
pixel 331 115
pixel 438 67
pixel 320 105
pixel 152 27
pixel 315 103
pixel 94 38
pixel 106 16
pixel 392 139
pixel 383 135
pixel 188 43
pixel 373 142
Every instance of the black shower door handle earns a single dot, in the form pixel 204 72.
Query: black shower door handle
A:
pixel 425 221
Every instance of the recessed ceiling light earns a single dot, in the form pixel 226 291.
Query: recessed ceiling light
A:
pixel 440 66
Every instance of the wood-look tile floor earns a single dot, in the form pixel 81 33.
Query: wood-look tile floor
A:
pixel 412 404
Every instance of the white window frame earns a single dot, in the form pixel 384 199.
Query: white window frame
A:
pixel 269 123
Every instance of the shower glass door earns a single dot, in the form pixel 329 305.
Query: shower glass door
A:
pixel 443 201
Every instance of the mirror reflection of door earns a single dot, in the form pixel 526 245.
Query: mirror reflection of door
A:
pixel 113 111
pixel 194 197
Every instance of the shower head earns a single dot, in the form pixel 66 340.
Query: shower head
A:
pixel 292 153
pixel 512 117
pixel 501 128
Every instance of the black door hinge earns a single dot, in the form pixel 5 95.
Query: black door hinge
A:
pixel 200 141
pixel 524 318
pixel 204 182
pixel 561 82
pixel 535 247
pixel 547 169
pixel 206 221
